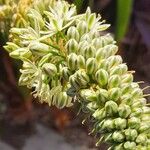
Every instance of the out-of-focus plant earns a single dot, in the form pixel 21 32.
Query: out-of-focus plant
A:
pixel 124 10
pixel 66 58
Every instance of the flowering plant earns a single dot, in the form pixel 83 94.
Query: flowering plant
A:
pixel 66 58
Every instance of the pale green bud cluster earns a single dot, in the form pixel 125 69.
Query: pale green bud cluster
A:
pixel 68 58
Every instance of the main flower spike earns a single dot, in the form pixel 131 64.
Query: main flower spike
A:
pixel 66 56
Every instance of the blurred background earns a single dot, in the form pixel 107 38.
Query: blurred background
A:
pixel 27 125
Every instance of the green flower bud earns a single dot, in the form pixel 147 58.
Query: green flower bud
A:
pixel 120 123
pixel 72 46
pixel 137 93
pixel 124 68
pixel 73 33
pixel 10 47
pixel 102 95
pixel 129 145
pixel 114 81
pixel 114 94
pixel 82 46
pixel 82 27
pixel 90 65
pixel 127 78
pixel 73 81
pixel 96 43
pixel 49 69
pixel 139 103
pixel 72 61
pixel 124 110
pixel 144 127
pixel 126 99
pixel 146 110
pixel 82 77
pixel 88 95
pixel 145 118
pixel 21 52
pixel 104 64
pixel 135 85
pixel 89 52
pixel 141 139
pixel 107 39
pixel 91 20
pixel 125 88
pixel 99 114
pixel 60 100
pixel 136 112
pixel 101 77
pixel 118 147
pixel 86 37
pixel 108 125
pixel 114 60
pixel 100 54
pixel 134 123
pixel 66 73
pixel 81 62
pixel 131 134
pixel 39 49
pixel 111 50
pixel 118 136
pixel 92 106
pixel 111 107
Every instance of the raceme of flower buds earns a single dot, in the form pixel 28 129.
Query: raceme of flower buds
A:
pixel 66 56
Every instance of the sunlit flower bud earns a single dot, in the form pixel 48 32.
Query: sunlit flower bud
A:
pixel 49 69
pixel 146 110
pixel 111 107
pixel 141 139
pixel 88 13
pixel 90 65
pixel 82 78
pixel 39 49
pixel 60 100
pixel 86 37
pixel 108 125
pixel 100 54
pixel 118 136
pixel 89 52
pixel 72 46
pixel 102 95
pixel 104 64
pixel 101 77
pixel 66 73
pixel 120 123
pixel 135 85
pixel 124 68
pixel 21 52
pixel 129 145
pixel 125 88
pixel 96 43
pixel 88 95
pixel 114 81
pixel 131 134
pixel 82 27
pixel 136 112
pixel 114 60
pixel 73 33
pixel 139 102
pixel 137 93
pixel 81 62
pixel 124 110
pixel 11 46
pixel 127 78
pixel 114 94
pixel 134 123
pixel 72 61
pixel 144 127
pixel 111 49
pixel 82 46
pixel 91 20
pixel 126 99
pixel 99 114
pixel 107 39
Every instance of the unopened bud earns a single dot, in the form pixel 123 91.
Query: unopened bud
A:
pixel 90 65
pixel 81 62
pixel 129 145
pixel 49 69
pixel 91 20
pixel 120 123
pixel 111 108
pixel 124 110
pixel 114 81
pixel 82 27
pixel 127 78
pixel 134 123
pixel 89 52
pixel 141 139
pixel 114 94
pixel 73 33
pixel 102 77
pixel 72 46
pixel 118 136
pixel 108 125
pixel 66 73
pixel 99 114
pixel 131 134
pixel 72 61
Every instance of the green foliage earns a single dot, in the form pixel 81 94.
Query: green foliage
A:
pixel 65 57
pixel 124 10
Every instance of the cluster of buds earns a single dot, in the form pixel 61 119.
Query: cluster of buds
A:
pixel 65 56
